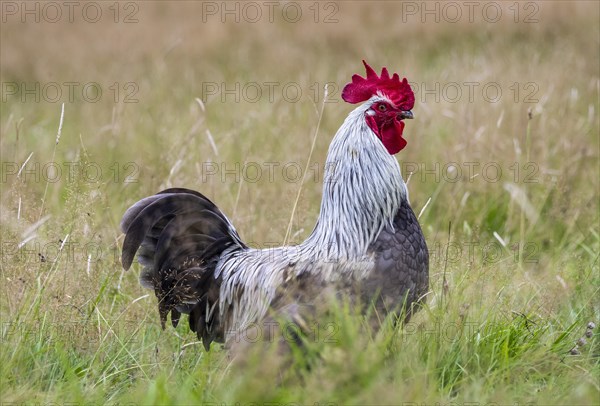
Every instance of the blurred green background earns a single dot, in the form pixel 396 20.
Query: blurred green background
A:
pixel 224 98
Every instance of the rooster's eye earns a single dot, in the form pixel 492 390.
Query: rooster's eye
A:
pixel 382 107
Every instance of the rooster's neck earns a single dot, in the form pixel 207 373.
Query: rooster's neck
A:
pixel 362 191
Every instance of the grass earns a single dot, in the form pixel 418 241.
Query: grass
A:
pixel 513 285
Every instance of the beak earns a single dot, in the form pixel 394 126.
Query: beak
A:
pixel 406 114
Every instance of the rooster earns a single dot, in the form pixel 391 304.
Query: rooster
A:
pixel 366 242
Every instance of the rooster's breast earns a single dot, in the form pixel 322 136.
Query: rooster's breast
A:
pixel 400 276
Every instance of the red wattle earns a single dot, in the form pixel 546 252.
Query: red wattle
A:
pixel 390 134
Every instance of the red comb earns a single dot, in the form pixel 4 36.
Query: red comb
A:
pixel 362 89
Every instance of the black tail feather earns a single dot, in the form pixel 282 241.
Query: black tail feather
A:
pixel 201 223
pixel 180 235
pixel 158 213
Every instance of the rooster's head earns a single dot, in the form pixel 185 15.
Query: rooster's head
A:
pixel 391 101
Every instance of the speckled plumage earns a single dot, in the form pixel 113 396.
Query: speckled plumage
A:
pixel 401 264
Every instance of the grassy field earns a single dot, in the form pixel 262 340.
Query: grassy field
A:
pixel 503 151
